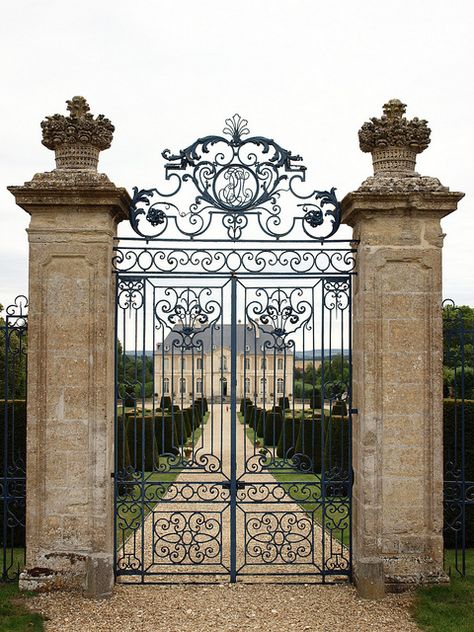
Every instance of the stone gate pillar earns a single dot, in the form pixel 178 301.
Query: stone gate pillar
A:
pixel 398 444
pixel 74 214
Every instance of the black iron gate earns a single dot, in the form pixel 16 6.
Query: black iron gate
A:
pixel 13 344
pixel 233 372
pixel 458 417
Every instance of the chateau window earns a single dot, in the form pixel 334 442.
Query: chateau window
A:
pixel 247 363
pixel 280 364
pixel 199 363
pixel 247 385
pixel 166 364
pixel 224 387
pixel 182 385
pixel 280 385
pixel 183 362
pixel 263 364
pixel 199 386
pixel 263 384
pixel 223 363
pixel 166 385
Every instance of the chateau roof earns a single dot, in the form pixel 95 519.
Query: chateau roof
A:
pixel 218 337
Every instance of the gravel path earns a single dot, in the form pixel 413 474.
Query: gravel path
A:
pixel 226 608
pixel 221 606
pixel 157 534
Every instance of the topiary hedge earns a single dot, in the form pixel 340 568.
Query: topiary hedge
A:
pixel 309 446
pixel 288 437
pixel 452 418
pixel 243 404
pixel 142 447
pixel 16 462
pixel 165 402
pixel 272 427
pixel 339 408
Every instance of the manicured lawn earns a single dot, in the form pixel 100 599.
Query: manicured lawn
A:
pixel 448 608
pixel 14 616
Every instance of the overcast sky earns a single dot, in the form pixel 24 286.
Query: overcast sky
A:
pixel 304 72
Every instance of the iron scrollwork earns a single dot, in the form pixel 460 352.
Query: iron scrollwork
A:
pixel 188 312
pixel 280 313
pixel 237 179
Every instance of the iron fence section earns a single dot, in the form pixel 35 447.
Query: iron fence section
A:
pixel 13 345
pixel 458 409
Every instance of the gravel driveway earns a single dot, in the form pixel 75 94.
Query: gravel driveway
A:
pixel 226 608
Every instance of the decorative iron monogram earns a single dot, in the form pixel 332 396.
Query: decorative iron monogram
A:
pixel 236 179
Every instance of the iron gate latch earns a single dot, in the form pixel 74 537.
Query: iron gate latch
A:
pixel 227 485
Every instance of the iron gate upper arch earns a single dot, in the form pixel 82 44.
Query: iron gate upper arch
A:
pixel 231 288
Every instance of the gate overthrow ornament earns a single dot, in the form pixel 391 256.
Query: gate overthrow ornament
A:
pixel 235 178
pixel 233 371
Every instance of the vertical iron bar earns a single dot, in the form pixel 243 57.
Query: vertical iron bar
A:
pixel 233 434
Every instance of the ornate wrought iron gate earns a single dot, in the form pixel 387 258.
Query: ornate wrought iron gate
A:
pixel 233 372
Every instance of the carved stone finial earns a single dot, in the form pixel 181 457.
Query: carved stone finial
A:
pixel 78 138
pixel 394 140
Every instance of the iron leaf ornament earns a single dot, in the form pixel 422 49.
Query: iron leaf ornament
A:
pixel 235 177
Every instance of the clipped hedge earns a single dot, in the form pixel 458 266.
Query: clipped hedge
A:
pixel 272 427
pixel 142 446
pixel 288 438
pixel 243 404
pixel 165 402
pixel 309 450
pixel 452 415
pixel 339 408
pixel 16 458
pixel 259 421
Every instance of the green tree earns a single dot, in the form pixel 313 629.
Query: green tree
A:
pixel 458 356
pixel 13 344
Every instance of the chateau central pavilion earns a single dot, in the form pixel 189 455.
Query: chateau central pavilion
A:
pixel 188 368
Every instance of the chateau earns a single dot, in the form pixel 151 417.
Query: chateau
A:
pixel 204 368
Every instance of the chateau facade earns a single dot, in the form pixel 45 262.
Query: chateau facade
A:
pixel 204 370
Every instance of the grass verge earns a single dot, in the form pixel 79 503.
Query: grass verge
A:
pixel 448 608
pixel 14 615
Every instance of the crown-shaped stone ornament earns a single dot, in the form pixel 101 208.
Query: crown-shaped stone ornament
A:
pixel 78 138
pixel 394 141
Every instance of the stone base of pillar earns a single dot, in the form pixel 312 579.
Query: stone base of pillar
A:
pixel 409 573
pixel 369 578
pixel 92 574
